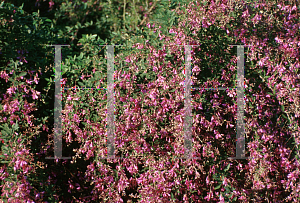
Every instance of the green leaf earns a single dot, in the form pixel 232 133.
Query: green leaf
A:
pixel 116 173
pixel 5 148
pixel 22 74
pixel 80 56
pixel 218 187
pixel 15 126
pixel 81 84
pixel 282 107
pixel 227 168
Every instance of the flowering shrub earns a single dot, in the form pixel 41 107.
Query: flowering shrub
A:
pixel 149 108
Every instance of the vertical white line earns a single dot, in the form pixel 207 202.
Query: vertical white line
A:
pixel 57 106
pixel 240 144
pixel 187 105
pixel 110 102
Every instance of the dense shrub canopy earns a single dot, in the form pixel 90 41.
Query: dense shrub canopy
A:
pixel 149 84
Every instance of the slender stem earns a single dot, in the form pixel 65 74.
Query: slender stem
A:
pixel 124 10
pixel 74 177
pixel 136 16
pixel 148 12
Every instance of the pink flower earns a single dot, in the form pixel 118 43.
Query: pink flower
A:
pixel 4 75
pixel 5 108
pixel 128 59
pixel 35 94
pixel 123 183
pixel 292 176
pixel 36 78
pixel 209 196
pixel 28 81
pixel 256 19
pixel 217 134
pixel 225 181
pixel 246 14
pixel 51 3
pixel 153 94
pixel 172 31
pixel 231 93
pixel 11 90
pixel 222 200
pixel 140 46
pixel 76 118
pixel 132 168
pixel 207 180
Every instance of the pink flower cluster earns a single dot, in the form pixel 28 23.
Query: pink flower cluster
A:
pixel 149 118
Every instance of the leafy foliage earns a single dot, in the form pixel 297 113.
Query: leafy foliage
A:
pixel 149 101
